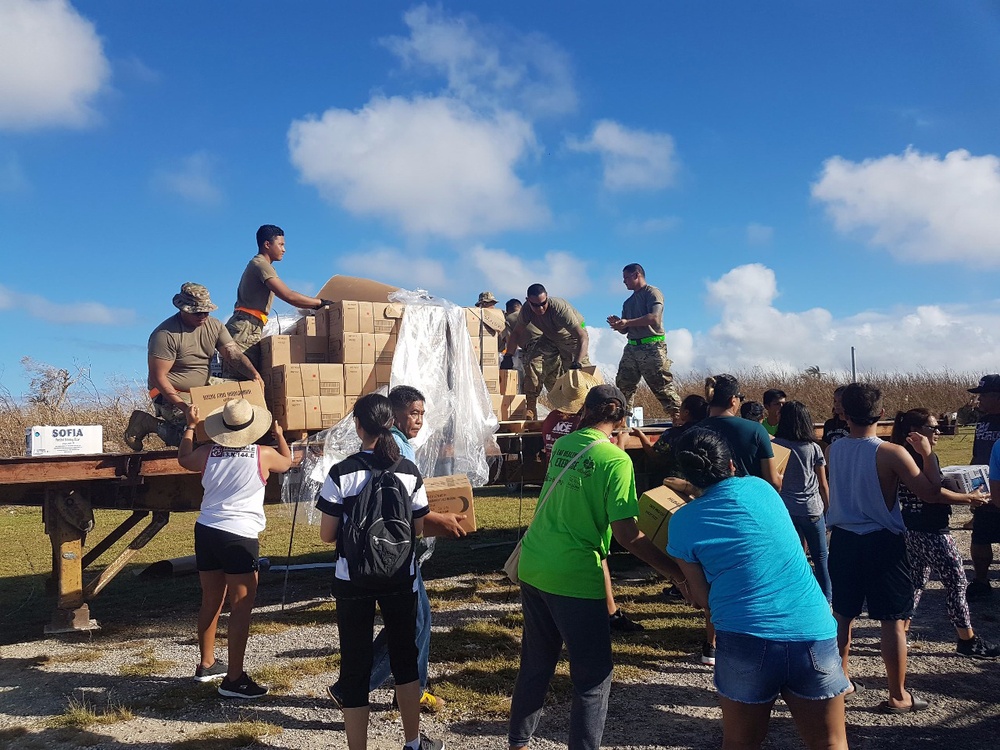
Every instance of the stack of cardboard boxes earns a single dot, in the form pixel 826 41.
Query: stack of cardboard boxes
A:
pixel 485 326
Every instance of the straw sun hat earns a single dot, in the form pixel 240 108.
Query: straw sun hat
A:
pixel 570 390
pixel 237 424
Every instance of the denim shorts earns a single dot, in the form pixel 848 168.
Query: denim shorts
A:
pixel 754 670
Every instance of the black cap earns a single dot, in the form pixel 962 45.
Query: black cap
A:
pixel 601 394
pixel 987 384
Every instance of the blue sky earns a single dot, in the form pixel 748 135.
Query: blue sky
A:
pixel 796 177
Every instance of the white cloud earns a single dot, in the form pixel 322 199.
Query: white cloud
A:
pixel 77 313
pixel 192 179
pixel 402 269
pixel 52 65
pixel 632 159
pixel 759 234
pixel 919 207
pixel 486 64
pixel 508 275
pixel 752 332
pixel 433 166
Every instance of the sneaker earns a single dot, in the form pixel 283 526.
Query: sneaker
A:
pixel 978 589
pixel 244 687
pixel 708 654
pixel 978 648
pixel 426 743
pixel 215 672
pixel 621 623
pixel 430 703
pixel 334 692
pixel 672 592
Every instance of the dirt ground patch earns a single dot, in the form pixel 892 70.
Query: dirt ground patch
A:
pixel 147 669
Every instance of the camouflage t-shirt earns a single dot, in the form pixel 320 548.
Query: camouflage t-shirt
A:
pixel 252 293
pixel 190 350
pixel 561 321
pixel 643 302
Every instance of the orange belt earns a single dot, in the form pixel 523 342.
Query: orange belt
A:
pixel 154 392
pixel 262 317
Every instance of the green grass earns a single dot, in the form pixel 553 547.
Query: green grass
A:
pixel 246 733
pixel 81 713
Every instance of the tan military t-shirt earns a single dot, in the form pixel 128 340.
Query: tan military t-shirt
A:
pixel 190 349
pixel 511 318
pixel 252 293
pixel 643 302
pixel 561 321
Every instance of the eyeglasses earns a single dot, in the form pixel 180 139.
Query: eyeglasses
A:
pixel 538 305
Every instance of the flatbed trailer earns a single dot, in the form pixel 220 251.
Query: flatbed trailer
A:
pixel 152 485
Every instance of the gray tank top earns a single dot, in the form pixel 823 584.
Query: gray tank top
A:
pixel 856 502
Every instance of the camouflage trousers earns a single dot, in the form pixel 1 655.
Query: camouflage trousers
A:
pixel 246 332
pixel 173 420
pixel 649 361
pixel 544 361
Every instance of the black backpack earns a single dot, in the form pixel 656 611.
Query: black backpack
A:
pixel 377 535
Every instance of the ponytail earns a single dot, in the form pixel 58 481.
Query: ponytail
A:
pixel 374 414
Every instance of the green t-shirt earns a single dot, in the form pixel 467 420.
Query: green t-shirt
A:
pixel 190 350
pixel 562 551
pixel 253 293
pixel 771 428
pixel 561 321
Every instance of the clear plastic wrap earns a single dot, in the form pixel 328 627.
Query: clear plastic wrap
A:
pixel 434 355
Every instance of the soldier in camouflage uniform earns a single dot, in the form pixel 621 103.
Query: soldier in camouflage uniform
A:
pixel 645 354
pixel 560 345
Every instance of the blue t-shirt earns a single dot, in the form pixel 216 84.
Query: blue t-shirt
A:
pixel 405 449
pixel 760 581
pixel 995 462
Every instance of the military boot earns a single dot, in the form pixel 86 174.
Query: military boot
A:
pixel 140 424
pixel 531 408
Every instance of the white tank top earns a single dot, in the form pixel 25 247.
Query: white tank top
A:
pixel 856 500
pixel 234 491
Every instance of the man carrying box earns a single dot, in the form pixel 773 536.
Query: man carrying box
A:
pixel 561 346
pixel 255 294
pixel 180 350
pixel 645 353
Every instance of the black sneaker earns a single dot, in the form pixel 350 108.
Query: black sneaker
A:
pixel 334 692
pixel 978 648
pixel 672 592
pixel 978 590
pixel 621 623
pixel 426 743
pixel 708 654
pixel 244 687
pixel 215 672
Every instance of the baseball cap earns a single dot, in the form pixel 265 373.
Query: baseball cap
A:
pixel 987 384
pixel 601 394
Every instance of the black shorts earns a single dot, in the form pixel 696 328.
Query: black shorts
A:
pixel 872 567
pixel 215 549
pixel 986 526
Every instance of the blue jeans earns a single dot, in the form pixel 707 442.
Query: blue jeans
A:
pixel 380 665
pixel 813 530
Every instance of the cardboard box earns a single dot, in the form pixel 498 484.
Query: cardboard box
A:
pixel 331 380
pixel 342 317
pixel 347 348
pixel 332 410
pixel 208 398
pixel 359 378
pixel 366 323
pixel 385 346
pixel 484 321
pixel 452 494
pixel 286 382
pixel 306 326
pixel 509 383
pixel 383 374
pixel 975 478
pixel 310 380
pixel 367 348
pixel 509 407
pixel 491 376
pixel 68 440
pixel 291 413
pixel 386 317
pixel 781 455
pixel 656 506
pixel 282 350
pixel 317 349
pixel 349 402
pixel 351 287
pixel 486 351
pixel 313 413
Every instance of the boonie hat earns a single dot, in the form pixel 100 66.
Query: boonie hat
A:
pixel 570 390
pixel 601 394
pixel 486 298
pixel 237 424
pixel 987 384
pixel 193 298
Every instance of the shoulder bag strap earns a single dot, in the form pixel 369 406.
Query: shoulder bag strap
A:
pixel 565 468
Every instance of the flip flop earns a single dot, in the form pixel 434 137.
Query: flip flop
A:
pixel 917 704
pixel 859 687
